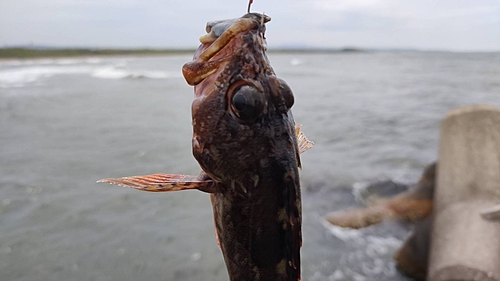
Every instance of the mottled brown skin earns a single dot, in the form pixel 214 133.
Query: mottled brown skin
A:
pixel 254 162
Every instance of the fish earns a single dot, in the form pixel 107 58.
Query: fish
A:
pixel 248 147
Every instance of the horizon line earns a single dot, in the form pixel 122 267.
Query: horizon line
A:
pixel 283 48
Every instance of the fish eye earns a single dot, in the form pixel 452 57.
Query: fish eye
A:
pixel 286 93
pixel 247 103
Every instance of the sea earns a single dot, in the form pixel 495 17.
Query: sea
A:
pixel 65 123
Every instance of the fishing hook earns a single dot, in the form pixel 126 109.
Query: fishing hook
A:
pixel 249 4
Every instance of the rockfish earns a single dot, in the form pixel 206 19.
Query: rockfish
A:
pixel 247 144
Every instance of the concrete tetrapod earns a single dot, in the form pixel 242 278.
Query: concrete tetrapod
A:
pixel 465 235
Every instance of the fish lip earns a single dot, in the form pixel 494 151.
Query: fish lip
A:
pixel 219 26
pixel 210 56
pixel 220 33
pixel 216 28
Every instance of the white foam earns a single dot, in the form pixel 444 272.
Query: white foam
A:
pixel 296 61
pixel 337 275
pixel 93 60
pixel 372 252
pixel 120 64
pixel 62 61
pixel 27 62
pixel 11 63
pixel 153 74
pixel 19 76
pixel 358 188
pixel 68 61
pixel 374 268
pixel 21 73
pixel 110 73
pixel 381 245
pixel 344 234
pixel 118 73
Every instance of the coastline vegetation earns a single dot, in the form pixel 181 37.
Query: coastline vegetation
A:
pixel 19 53
pixel 29 53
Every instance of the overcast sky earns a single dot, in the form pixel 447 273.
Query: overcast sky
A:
pixel 472 25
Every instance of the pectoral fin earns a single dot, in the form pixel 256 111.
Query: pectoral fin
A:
pixel 165 182
pixel 304 144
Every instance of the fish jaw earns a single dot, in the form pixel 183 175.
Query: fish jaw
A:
pixel 220 44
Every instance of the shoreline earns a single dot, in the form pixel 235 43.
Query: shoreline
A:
pixel 31 53
pixel 80 57
pixel 20 53
pixel 24 53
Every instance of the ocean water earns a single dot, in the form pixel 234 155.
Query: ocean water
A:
pixel 65 123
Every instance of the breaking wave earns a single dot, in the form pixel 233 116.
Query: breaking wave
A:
pixel 19 73
pixel 66 61
pixel 19 77
pixel 117 73
pixel 371 253
pixel 296 61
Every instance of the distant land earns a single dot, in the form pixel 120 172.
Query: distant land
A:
pixel 30 51
pixel 45 52
pixel 19 52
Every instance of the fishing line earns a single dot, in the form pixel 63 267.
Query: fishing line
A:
pixel 249 4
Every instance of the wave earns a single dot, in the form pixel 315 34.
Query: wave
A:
pixel 21 76
pixel 371 252
pixel 77 61
pixel 296 61
pixel 62 61
pixel 117 73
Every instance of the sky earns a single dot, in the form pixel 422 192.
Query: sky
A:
pixel 454 25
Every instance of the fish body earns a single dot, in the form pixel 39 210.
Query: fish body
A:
pixel 244 139
pixel 247 144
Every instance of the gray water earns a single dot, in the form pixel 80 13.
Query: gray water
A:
pixel 65 123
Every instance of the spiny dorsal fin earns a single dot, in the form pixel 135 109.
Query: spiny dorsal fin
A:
pixel 165 182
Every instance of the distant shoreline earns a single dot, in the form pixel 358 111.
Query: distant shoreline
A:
pixel 29 53
pixel 40 53
pixel 26 53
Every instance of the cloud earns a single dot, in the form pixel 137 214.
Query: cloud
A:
pixel 445 24
pixel 425 24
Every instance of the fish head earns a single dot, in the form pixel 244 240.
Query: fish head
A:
pixel 241 112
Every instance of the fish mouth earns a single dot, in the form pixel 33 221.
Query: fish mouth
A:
pixel 216 29
pixel 219 35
